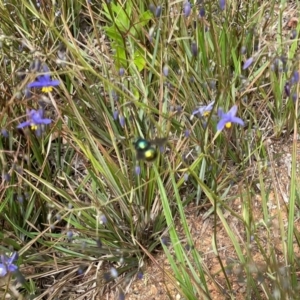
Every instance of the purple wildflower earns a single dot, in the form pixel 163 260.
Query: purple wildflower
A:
pixel 102 219
pixel 287 89
pixel 166 70
pixel 4 132
pixel 121 71
pixel 243 50
pixel 187 8
pixel 35 118
pixel 205 110
pixel 202 12
pixel 247 63
pixel 121 295
pixel 222 4
pixel 186 177
pixel 293 34
pixel 152 8
pixel 294 97
pixel 122 121
pixel 44 81
pixel 158 11
pixel 6 177
pixel 226 119
pixel 140 275
pixel 295 78
pixel 69 235
pixel 194 49
pixel 20 199
pixel 187 133
pixel 137 170
pixel 6 265
pixel 115 114
pixel 114 272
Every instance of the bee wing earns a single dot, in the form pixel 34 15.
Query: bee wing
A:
pixel 159 141
pixel 140 155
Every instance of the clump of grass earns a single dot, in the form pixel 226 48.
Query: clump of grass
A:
pixel 77 200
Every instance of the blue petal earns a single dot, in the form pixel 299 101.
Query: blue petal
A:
pixel 24 124
pixel 37 119
pixel 12 268
pixel 45 68
pixel 43 81
pixel 12 258
pixel 55 82
pixel 220 113
pixel 233 110
pixel 3 270
pixel 221 124
pixel 46 121
pixel 238 121
pixel 35 84
pixel 247 63
pixel 196 111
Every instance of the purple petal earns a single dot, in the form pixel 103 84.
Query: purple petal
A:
pixel 238 121
pixel 137 170
pixel 221 124
pixel 44 77
pixel 295 77
pixel 55 82
pixel 247 63
pixel 13 257
pixel 24 124
pixel 35 84
pixel 12 268
pixel 233 110
pixel 115 114
pixel 3 270
pixel 220 113
pixel 121 71
pixel 45 68
pixel 46 121
pixel 166 70
pixel 196 111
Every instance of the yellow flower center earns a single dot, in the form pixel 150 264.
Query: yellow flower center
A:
pixel 228 125
pixel 206 114
pixel 33 126
pixel 47 89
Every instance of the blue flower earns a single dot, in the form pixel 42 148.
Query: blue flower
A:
pixel 194 49
pixel 202 12
pixel 137 170
pixel 205 110
pixel 187 8
pixel 247 63
pixel 6 265
pixel 44 81
pixel 158 11
pixel 35 118
pixel 166 70
pixel 228 118
pixel 102 219
pixel 222 4
pixel 295 78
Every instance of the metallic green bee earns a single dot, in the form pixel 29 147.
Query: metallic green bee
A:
pixel 147 150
